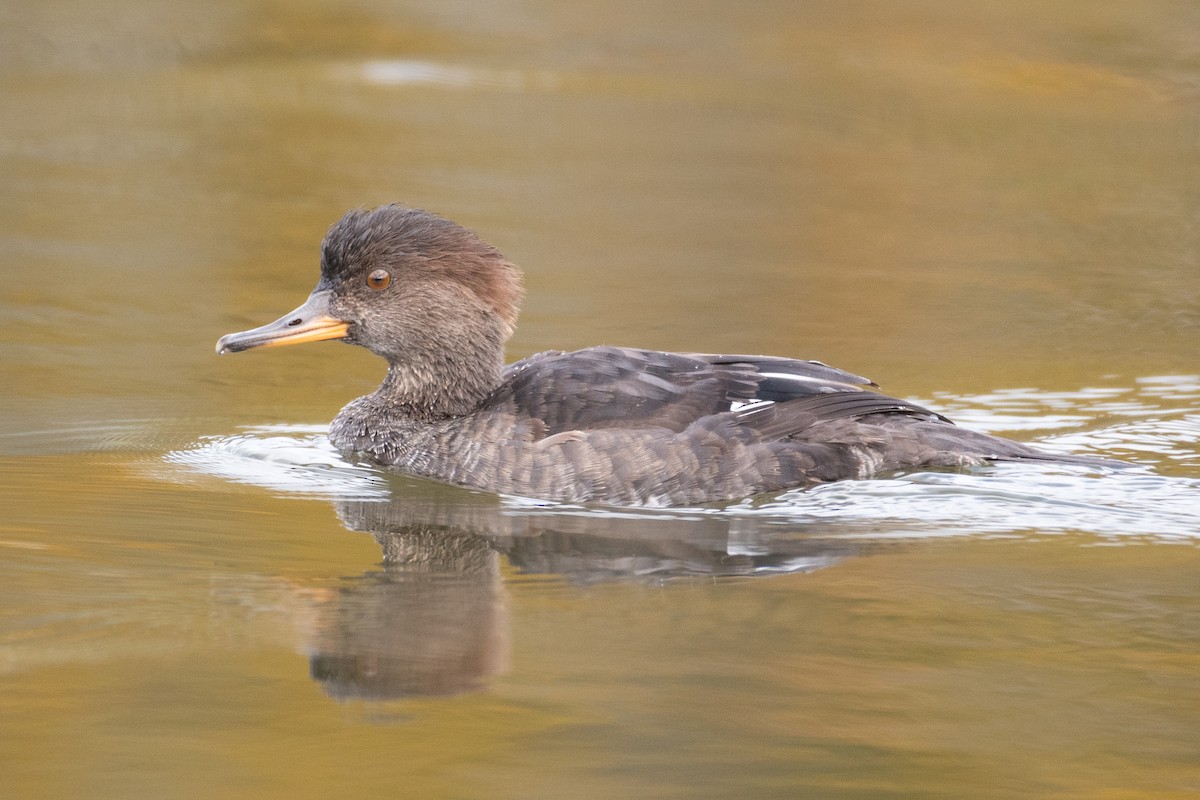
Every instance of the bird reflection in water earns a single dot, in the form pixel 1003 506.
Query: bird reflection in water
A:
pixel 430 622
pixel 433 618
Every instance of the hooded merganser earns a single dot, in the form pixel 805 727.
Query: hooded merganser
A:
pixel 605 424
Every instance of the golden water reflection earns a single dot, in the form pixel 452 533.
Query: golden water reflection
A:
pixel 989 205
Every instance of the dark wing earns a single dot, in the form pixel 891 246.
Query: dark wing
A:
pixel 787 378
pixel 900 434
pixel 792 417
pixel 643 427
pixel 613 387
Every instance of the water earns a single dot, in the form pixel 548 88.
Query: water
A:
pixel 988 210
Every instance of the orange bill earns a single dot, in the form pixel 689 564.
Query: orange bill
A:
pixel 311 322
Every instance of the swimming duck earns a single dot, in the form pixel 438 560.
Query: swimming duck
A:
pixel 610 425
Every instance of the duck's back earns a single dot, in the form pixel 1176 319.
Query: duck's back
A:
pixel 625 426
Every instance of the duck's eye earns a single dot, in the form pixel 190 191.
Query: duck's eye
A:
pixel 379 279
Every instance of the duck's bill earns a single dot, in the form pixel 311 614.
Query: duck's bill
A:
pixel 311 322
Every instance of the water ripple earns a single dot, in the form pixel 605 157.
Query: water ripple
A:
pixel 288 459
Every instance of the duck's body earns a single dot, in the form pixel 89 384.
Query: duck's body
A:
pixel 605 424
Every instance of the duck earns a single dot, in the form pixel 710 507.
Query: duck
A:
pixel 605 425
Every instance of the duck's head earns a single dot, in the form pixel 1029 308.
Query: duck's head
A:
pixel 425 293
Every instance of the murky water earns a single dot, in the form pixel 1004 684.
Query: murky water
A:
pixel 988 209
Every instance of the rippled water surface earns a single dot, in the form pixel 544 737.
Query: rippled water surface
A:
pixel 989 209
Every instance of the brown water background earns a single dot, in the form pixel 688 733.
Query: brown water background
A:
pixel 990 207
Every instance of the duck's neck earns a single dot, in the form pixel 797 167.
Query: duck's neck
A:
pixel 442 385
